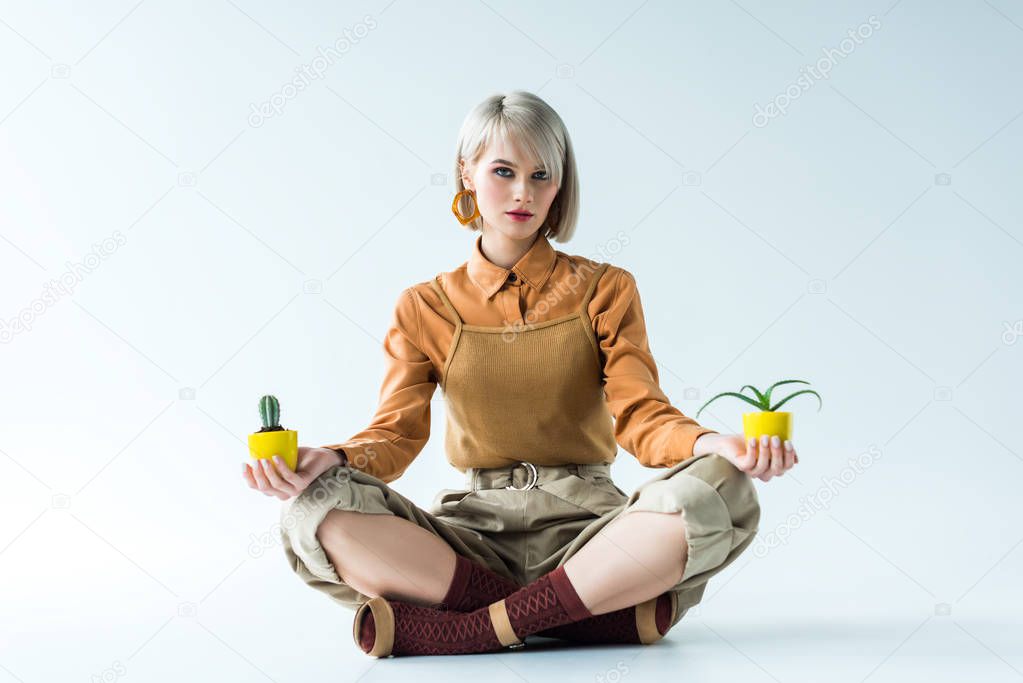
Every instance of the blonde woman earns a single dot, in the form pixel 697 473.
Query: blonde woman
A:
pixel 546 369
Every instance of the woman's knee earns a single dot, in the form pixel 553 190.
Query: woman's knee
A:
pixel 334 536
pixel 736 488
pixel 336 524
pixel 325 527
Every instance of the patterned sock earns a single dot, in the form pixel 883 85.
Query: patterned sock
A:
pixel 640 624
pixel 384 627
pixel 474 586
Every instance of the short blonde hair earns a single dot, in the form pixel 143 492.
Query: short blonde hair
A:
pixel 531 123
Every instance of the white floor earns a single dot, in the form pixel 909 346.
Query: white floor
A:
pixel 934 649
pixel 938 650
pixel 258 624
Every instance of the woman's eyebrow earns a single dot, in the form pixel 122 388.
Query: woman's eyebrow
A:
pixel 508 163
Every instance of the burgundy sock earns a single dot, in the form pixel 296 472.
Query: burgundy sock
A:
pixel 384 627
pixel 367 634
pixel 474 586
pixel 634 624
pixel 549 601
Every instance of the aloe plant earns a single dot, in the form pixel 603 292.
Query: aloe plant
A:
pixel 270 414
pixel 763 400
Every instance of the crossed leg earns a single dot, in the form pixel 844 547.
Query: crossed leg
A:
pixel 387 556
pixel 635 558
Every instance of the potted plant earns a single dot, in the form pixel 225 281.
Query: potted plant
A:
pixel 767 420
pixel 273 439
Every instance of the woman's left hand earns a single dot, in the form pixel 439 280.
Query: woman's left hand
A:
pixel 764 458
pixel 277 479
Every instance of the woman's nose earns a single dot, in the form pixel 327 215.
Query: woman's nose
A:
pixel 523 191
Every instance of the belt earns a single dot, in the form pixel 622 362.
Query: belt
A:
pixel 529 474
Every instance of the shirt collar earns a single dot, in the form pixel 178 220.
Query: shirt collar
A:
pixel 534 268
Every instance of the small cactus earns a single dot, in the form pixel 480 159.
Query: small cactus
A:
pixel 270 414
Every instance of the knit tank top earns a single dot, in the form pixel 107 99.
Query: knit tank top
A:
pixel 529 393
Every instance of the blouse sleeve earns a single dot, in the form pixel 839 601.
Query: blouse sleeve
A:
pixel 646 424
pixel 401 426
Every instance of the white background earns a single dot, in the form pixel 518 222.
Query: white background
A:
pixel 826 245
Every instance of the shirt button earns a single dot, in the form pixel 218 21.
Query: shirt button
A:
pixel 512 277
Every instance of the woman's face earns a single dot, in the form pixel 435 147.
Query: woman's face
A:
pixel 505 181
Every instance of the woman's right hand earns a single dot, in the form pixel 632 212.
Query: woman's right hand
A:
pixel 277 479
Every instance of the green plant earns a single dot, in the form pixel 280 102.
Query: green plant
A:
pixel 763 400
pixel 270 414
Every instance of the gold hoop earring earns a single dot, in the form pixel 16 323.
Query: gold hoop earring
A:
pixel 475 207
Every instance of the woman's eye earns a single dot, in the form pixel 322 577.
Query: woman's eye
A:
pixel 539 175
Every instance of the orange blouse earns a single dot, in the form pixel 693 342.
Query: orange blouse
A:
pixel 544 284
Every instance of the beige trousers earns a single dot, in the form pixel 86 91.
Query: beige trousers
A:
pixel 525 532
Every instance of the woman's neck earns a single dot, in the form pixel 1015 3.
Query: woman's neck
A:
pixel 504 251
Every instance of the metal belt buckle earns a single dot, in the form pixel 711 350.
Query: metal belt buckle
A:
pixel 532 481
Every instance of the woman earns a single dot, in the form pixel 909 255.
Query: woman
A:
pixel 545 367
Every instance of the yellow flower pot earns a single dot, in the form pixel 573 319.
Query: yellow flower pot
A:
pixel 282 442
pixel 767 422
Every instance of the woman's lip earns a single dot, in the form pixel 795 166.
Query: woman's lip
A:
pixel 519 213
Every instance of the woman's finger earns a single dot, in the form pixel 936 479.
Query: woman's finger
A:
pixel 280 496
pixel 250 476
pixel 247 476
pixel 266 486
pixel 790 455
pixel 777 457
pixel 754 457
pixel 763 457
pixel 293 478
pixel 260 476
pixel 744 461
pixel 765 451
pixel 274 478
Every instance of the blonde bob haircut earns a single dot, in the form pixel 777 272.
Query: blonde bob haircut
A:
pixel 523 119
